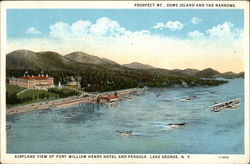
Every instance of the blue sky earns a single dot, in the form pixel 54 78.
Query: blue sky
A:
pixel 19 20
pixel 164 38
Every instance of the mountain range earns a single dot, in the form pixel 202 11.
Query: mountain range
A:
pixel 77 61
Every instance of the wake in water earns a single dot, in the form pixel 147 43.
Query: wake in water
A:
pixel 174 126
pixel 169 126
pixel 130 133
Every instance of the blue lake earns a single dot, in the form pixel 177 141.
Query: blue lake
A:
pixel 92 128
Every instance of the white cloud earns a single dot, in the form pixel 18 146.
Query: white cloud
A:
pixel 195 34
pixel 225 30
pixel 107 38
pixel 60 30
pixel 195 20
pixel 172 25
pixel 33 31
pixel 159 26
pixel 104 27
pixel 80 27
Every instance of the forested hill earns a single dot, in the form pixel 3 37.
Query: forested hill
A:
pixel 137 65
pixel 86 58
pixel 100 74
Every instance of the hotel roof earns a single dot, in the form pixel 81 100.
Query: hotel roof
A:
pixel 35 77
pixel 108 97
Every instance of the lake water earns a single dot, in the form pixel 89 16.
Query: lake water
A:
pixel 92 129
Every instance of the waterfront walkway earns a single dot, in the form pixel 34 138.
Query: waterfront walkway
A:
pixel 88 98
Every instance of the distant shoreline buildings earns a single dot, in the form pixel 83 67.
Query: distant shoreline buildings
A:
pixel 39 82
pixel 73 83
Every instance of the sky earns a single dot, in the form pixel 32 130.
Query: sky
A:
pixel 163 38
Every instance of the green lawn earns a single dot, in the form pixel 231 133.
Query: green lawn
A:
pixel 36 93
pixel 64 92
pixel 13 89
pixel 30 96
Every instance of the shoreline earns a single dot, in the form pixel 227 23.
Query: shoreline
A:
pixel 69 101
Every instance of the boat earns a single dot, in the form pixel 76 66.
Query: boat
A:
pixel 112 101
pixel 124 133
pixel 132 97
pixel 8 127
pixel 68 116
pixel 174 125
pixel 186 99
pixel 158 95
pixel 231 104
pixel 179 124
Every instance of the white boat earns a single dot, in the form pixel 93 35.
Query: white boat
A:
pixel 231 104
pixel 186 99
pixel 124 133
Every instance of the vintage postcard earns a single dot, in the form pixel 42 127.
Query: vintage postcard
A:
pixel 125 82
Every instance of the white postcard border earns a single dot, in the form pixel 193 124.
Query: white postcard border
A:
pixel 193 158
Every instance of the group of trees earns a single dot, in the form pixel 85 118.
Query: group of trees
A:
pixel 103 81
pixel 12 98
pixel 108 79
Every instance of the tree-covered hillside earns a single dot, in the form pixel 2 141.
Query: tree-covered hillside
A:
pixel 104 76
